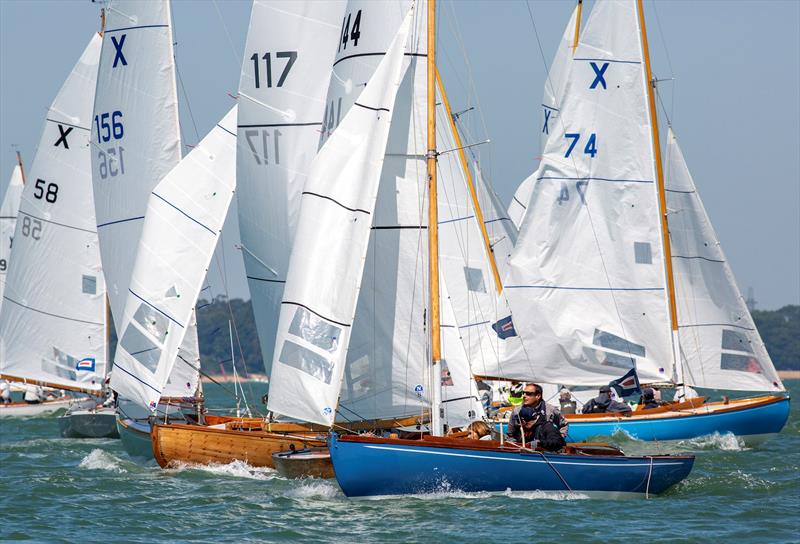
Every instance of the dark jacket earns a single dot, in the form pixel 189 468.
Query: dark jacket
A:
pixel 604 404
pixel 542 412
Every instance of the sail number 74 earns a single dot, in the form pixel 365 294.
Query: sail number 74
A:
pixel 591 144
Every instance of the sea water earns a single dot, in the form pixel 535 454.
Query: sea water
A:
pixel 71 490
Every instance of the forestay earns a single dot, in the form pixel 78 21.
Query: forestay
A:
pixel 185 214
pixel 8 220
pixel 720 345
pixel 52 326
pixel 135 140
pixel 553 90
pixel 285 73
pixel 586 282
pixel 327 259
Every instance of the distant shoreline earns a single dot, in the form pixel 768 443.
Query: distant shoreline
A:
pixel 228 378
pixel 784 375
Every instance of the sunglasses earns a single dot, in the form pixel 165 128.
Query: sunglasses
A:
pixel 531 394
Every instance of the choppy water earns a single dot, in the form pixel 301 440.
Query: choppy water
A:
pixel 65 490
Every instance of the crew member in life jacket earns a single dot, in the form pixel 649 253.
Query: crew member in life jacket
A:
pixel 540 423
pixel 568 404
pixel 604 403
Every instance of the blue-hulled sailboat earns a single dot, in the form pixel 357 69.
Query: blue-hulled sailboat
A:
pixel 317 314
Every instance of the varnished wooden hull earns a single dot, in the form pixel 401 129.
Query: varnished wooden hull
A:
pixel 178 443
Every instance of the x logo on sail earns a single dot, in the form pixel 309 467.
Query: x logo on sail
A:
pixel 118 56
pixel 62 136
pixel 598 75
pixel 546 119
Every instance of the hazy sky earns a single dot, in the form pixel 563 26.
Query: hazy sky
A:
pixel 734 102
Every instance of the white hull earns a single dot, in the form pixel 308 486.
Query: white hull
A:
pixel 22 409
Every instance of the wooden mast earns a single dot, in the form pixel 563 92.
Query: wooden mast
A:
pixel 21 168
pixel 472 192
pixel 662 199
pixel 577 26
pixel 433 230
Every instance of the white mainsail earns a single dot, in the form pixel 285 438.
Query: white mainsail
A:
pixel 8 220
pixel 587 283
pixel 327 259
pixel 135 143
pixel 59 339
pixel 185 214
pixel 553 90
pixel 720 345
pixel 285 73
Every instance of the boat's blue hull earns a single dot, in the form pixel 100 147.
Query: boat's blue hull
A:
pixel 398 467
pixel 135 438
pixel 753 421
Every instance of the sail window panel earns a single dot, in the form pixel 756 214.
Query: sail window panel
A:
pixel 315 330
pixel 140 347
pixel 474 277
pixel 89 285
pixel 741 363
pixel 307 361
pixel 643 253
pixel 612 341
pixel 735 341
pixel 62 365
pixel 152 321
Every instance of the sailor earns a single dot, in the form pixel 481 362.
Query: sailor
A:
pixel 537 421
pixel 33 394
pixel 648 399
pixel 515 396
pixel 604 402
pixel 5 392
pixel 479 430
pixel 568 404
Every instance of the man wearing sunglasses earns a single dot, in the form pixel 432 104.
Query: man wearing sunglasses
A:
pixel 537 423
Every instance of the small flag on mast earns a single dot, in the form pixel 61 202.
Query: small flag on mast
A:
pixel 505 328
pixel 86 364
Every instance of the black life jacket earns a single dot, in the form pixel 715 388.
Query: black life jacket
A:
pixel 549 437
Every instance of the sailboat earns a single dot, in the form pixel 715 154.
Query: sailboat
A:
pixel 8 219
pixel 317 326
pixel 46 341
pixel 284 74
pixel 135 143
pixel 617 266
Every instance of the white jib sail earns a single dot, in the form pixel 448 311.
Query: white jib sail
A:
pixel 386 360
pixel 720 345
pixel 8 220
pixel 52 326
pixel 586 282
pixel 184 217
pixel 285 73
pixel 553 89
pixel 330 245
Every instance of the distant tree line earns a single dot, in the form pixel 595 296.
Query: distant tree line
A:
pixel 780 330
